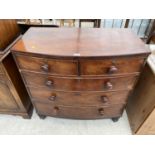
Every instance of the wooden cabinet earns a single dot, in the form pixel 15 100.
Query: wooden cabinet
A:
pixel 148 126
pixel 9 33
pixel 7 100
pixel 141 104
pixel 9 30
pixel 79 73
pixel 14 98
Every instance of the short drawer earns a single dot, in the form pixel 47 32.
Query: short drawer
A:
pixel 79 98
pixel 51 66
pixel 79 112
pixel 115 66
pixel 79 84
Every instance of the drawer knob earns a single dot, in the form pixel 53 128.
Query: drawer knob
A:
pixel 108 85
pixel 49 83
pixel 55 110
pixel 112 70
pixel 45 67
pixel 101 111
pixel 52 97
pixel 105 99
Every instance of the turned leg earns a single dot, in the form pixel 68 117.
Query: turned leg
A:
pixel 115 119
pixel 42 116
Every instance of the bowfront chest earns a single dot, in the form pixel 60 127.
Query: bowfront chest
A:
pixel 79 73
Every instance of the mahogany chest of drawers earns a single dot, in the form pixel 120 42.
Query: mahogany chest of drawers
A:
pixel 79 73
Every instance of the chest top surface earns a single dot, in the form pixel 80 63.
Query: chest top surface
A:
pixel 84 42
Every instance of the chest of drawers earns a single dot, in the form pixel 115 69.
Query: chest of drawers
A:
pixel 79 73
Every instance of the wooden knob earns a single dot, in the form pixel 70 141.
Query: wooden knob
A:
pixel 49 83
pixel 55 110
pixel 112 70
pixel 101 111
pixel 108 85
pixel 105 99
pixel 52 98
pixel 45 67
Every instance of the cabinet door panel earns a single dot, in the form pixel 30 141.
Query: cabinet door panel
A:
pixel 7 101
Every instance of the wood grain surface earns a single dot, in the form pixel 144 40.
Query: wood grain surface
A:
pixel 80 73
pixel 9 30
pixel 75 42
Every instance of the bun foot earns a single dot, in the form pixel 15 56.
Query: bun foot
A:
pixel 42 116
pixel 115 119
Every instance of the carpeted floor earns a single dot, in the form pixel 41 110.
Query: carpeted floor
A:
pixel 58 126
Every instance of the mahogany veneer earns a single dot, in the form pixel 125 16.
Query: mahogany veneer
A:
pixel 79 73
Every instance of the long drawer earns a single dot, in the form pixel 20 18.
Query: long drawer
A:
pixel 79 84
pixel 112 66
pixel 79 98
pixel 79 112
pixel 52 66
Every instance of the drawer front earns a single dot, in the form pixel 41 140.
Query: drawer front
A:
pixel 79 112
pixel 52 66
pixel 74 84
pixel 111 66
pixel 79 98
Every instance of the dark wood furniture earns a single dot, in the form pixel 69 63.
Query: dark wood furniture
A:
pixel 14 98
pixel 9 31
pixel 141 104
pixel 24 27
pixel 79 73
